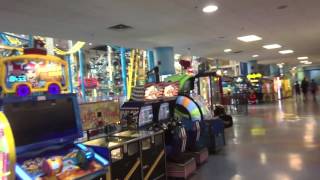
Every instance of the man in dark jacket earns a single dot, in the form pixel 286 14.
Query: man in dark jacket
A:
pixel 313 88
pixel 304 87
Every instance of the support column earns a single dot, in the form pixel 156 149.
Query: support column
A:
pixel 81 74
pixel 300 74
pixel 150 58
pixel 30 43
pixel 165 58
pixel 123 70
pixel 274 70
pixel 50 46
pixel 243 69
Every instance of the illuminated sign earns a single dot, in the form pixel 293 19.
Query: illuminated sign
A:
pixel 13 79
pixel 254 76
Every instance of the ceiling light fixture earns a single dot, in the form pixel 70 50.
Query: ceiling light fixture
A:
pixel 308 63
pixel 272 46
pixel 303 58
pixel 303 62
pixel 249 38
pixel 288 51
pixel 227 50
pixel 256 55
pixel 90 44
pixel 210 8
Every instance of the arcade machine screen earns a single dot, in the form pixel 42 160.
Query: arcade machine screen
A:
pixel 45 118
pixel 207 114
pixel 44 132
pixel 205 89
pixel 241 85
pixel 164 112
pixel 227 86
pixel 145 116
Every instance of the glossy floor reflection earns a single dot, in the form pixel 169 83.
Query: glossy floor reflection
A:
pixel 279 141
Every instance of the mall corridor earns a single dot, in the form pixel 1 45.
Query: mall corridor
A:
pixel 278 141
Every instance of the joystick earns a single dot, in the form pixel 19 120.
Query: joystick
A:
pixel 52 165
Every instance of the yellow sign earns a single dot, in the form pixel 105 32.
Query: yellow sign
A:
pixel 254 76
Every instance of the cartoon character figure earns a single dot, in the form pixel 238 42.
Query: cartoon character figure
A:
pixel 16 68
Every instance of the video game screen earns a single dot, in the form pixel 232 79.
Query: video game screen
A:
pixel 164 111
pixel 145 116
pixel 38 121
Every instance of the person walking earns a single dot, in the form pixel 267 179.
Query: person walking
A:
pixel 304 87
pixel 313 89
pixel 297 88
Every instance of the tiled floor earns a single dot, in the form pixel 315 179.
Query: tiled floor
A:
pixel 279 141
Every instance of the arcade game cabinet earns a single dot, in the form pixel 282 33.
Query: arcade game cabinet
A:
pixel 7 150
pixel 255 92
pixel 100 120
pixel 153 113
pixel 124 153
pixel 44 130
pixel 209 86
pixel 138 121
pixel 196 111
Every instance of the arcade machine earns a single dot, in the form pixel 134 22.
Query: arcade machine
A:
pixel 7 149
pixel 99 118
pixel 45 147
pixel 33 72
pixel 282 87
pixel 239 101
pixel 99 121
pixel 267 89
pixel 255 92
pixel 124 153
pixel 241 84
pixel 227 89
pixel 209 86
pixel 137 152
pixel 198 119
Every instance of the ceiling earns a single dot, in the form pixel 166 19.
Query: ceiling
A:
pixel 177 23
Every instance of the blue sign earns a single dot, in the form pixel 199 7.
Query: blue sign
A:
pixel 13 79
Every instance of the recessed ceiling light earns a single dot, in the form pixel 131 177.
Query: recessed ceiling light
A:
pixel 272 46
pixel 249 38
pixel 90 44
pixel 227 50
pixel 210 8
pixel 57 44
pixel 288 51
pixel 303 62
pixel 303 58
pixel 308 62
pixel 256 55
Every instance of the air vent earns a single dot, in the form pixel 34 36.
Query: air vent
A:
pixel 237 52
pixel 100 48
pixel 282 7
pixel 120 27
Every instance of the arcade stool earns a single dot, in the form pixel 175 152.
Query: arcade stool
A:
pixel 182 169
pixel 200 156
